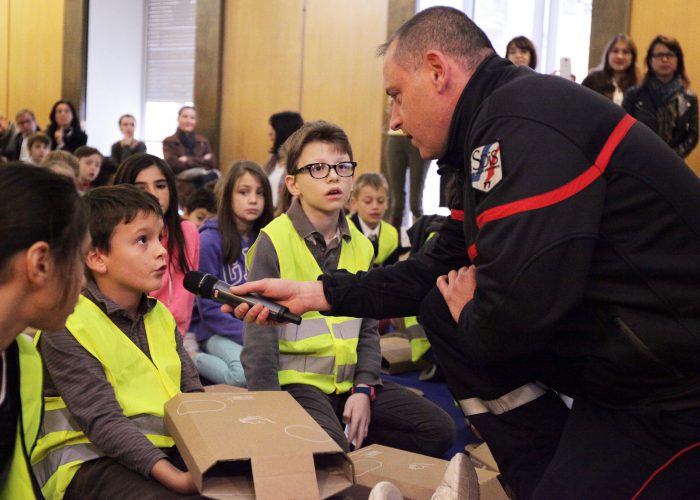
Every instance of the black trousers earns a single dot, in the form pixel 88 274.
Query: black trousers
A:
pixel 107 479
pixel 546 451
pixel 399 418
pixel 401 156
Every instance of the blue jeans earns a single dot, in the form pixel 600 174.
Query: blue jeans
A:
pixel 220 361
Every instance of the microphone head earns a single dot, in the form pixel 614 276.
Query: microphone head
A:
pixel 199 283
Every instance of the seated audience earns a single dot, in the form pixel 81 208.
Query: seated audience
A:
pixel 103 434
pixel 64 128
pixel 186 149
pixel 128 145
pixel 180 237
pixel 282 125
pixel 25 121
pixel 39 146
pixel 200 206
pixel 63 163
pixel 7 136
pixel 90 163
pixel 521 52
pixel 617 72
pixel 663 101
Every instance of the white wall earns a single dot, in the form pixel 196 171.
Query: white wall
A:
pixel 114 69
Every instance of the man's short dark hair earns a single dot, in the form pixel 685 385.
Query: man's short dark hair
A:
pixel 109 206
pixel 441 28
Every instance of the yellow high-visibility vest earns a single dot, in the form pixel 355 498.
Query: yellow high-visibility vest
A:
pixel 416 335
pixel 18 483
pixel 141 386
pixel 322 351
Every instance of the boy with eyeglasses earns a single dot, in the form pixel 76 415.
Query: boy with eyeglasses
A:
pixel 330 365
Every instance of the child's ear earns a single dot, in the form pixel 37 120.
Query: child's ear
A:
pixel 291 185
pixel 38 263
pixel 95 261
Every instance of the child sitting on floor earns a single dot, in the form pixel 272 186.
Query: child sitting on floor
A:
pixel 111 370
pixel 331 365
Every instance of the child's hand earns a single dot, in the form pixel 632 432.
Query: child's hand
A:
pixel 173 478
pixel 357 415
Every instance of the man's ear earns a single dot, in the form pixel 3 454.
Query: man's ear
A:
pixel 95 261
pixel 291 185
pixel 39 264
pixel 438 68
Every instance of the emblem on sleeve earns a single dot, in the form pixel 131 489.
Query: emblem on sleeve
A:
pixel 486 171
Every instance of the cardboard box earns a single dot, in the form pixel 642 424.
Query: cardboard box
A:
pixel 396 355
pixel 482 457
pixel 416 476
pixel 255 444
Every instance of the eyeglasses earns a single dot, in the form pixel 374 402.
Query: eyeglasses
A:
pixel 664 55
pixel 322 170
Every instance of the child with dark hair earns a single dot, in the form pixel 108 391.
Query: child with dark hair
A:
pixel 331 365
pixel 180 237
pixel 245 207
pixel 111 370
pixel 39 146
pixel 521 52
pixel 89 165
pixel 41 275
pixel 200 206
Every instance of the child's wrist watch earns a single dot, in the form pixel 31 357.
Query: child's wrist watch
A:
pixel 366 390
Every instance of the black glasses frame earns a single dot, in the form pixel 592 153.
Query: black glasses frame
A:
pixel 328 166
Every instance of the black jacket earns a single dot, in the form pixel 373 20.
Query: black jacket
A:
pixel 72 139
pixel 638 103
pixel 595 261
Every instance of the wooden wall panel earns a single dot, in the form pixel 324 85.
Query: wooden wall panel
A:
pixel 261 73
pixel 35 57
pixel 675 18
pixel 4 51
pixel 342 77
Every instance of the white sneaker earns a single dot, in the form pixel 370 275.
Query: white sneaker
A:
pixel 385 490
pixel 459 482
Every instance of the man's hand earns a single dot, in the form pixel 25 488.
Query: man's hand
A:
pixel 357 415
pixel 458 289
pixel 298 296
pixel 173 478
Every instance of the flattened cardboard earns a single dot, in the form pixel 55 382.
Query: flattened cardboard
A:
pixel 489 486
pixel 416 476
pixel 224 388
pixel 482 457
pixel 396 355
pixel 255 444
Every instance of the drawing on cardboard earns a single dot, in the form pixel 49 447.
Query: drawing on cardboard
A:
pixel 370 454
pixel 200 406
pixel 363 466
pixel 307 433
pixel 419 466
pixel 255 419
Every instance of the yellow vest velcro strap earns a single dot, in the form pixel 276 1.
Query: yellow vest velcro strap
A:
pixel 347 330
pixel 322 365
pixel 514 399
pixel 310 327
pixel 62 456
pixel 346 373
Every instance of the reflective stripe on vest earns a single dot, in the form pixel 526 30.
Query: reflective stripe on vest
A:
pixel 18 483
pixel 322 351
pixel 514 399
pixel 417 338
pixel 141 386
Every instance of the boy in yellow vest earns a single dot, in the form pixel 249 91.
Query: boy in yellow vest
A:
pixel 110 371
pixel 330 365
pixel 369 202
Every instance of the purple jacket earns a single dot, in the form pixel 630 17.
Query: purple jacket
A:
pixel 207 319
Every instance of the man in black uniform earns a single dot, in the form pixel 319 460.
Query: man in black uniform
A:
pixel 571 263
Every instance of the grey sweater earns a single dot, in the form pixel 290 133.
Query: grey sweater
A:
pixel 260 355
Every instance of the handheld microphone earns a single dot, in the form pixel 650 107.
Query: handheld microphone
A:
pixel 208 287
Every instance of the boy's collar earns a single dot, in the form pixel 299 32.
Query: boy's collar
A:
pixel 303 225
pixel 94 293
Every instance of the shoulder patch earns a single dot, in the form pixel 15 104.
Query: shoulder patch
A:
pixel 486 168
